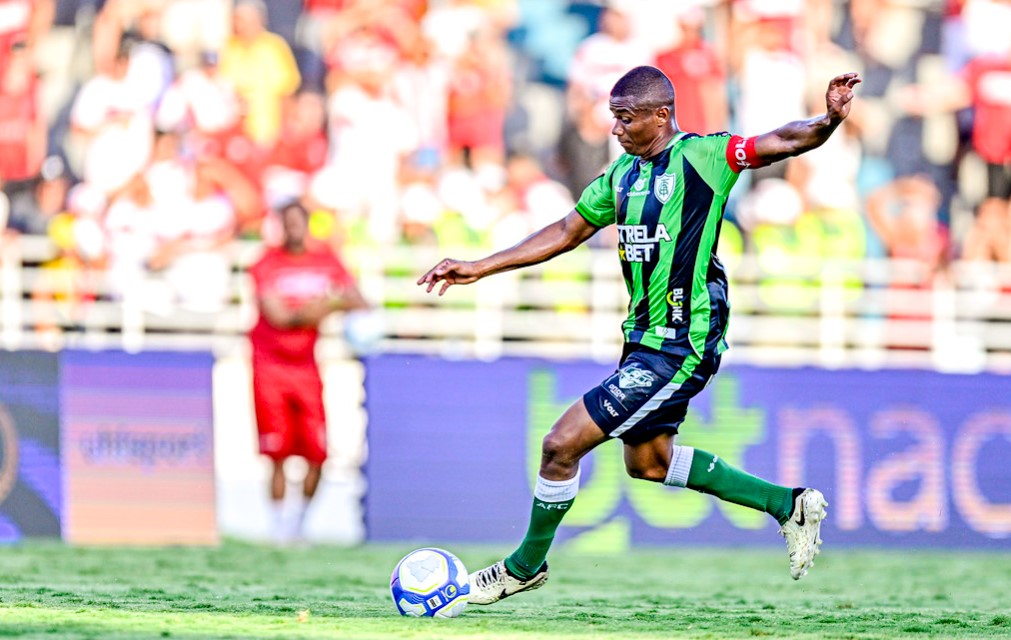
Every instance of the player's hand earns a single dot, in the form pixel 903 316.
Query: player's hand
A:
pixel 840 94
pixel 449 272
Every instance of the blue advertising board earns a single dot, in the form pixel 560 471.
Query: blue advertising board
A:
pixel 905 458
pixel 30 479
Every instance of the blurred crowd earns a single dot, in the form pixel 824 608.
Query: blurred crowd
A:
pixel 146 135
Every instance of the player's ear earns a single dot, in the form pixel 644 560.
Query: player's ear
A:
pixel 662 115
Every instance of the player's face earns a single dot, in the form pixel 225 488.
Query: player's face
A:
pixel 636 128
pixel 296 226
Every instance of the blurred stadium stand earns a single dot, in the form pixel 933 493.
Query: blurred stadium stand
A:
pixel 142 159
pixel 858 313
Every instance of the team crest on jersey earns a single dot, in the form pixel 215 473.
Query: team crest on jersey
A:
pixel 632 377
pixel 663 187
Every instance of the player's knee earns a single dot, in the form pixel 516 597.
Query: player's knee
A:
pixel 651 472
pixel 557 450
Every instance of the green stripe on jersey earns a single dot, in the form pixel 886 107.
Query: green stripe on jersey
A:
pixel 668 212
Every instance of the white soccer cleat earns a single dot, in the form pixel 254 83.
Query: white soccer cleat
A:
pixel 802 531
pixel 493 583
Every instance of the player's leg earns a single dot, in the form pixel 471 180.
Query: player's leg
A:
pixel 799 511
pixel 660 460
pixel 652 454
pixel 571 438
pixel 274 435
pixel 311 444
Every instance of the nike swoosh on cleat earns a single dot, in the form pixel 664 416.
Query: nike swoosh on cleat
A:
pixel 803 517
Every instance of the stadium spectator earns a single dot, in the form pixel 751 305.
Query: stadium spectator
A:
pixel 420 85
pixel 989 238
pixel 23 21
pixel 66 280
pixel 200 101
pixel 131 227
pixel 300 150
pixel 603 57
pixel 904 214
pixel 262 69
pixel 370 136
pixel 33 214
pixel 197 206
pixel 694 67
pixel 112 126
pixel 667 194
pixel 22 130
pixel 529 200
pixel 988 79
pixel 479 93
pixel 152 64
pixel 583 146
pixel 297 286
pixel 981 86
pixel 770 67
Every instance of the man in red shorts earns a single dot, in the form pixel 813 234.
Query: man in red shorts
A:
pixel 297 285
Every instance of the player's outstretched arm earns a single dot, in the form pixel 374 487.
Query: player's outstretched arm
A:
pixel 558 237
pixel 798 137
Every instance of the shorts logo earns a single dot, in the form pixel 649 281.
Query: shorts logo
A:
pixel 632 377
pixel 610 408
pixel 615 391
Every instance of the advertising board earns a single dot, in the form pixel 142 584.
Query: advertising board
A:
pixel 905 458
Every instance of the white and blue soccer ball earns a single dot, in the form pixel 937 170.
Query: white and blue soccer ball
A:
pixel 430 582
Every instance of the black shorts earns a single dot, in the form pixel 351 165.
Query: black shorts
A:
pixel 649 392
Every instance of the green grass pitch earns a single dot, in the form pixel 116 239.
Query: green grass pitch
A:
pixel 239 590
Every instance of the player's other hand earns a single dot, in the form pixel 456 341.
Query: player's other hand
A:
pixel 840 94
pixel 449 272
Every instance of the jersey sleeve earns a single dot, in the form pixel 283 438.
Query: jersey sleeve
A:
pixel 715 157
pixel 596 204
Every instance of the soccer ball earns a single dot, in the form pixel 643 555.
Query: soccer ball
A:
pixel 430 582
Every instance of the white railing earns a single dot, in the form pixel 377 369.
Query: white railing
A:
pixel 869 313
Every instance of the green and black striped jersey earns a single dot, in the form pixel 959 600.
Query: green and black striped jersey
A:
pixel 668 210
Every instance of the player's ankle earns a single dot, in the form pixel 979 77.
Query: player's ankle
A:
pixel 520 572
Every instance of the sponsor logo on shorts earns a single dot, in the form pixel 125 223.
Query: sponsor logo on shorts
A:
pixel 632 377
pixel 615 391
pixel 610 408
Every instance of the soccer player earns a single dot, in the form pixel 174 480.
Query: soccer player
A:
pixel 297 285
pixel 666 194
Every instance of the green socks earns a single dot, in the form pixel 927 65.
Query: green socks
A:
pixel 552 500
pixel 691 468
pixel 710 474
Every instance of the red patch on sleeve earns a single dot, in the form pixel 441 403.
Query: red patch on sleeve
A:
pixel 741 154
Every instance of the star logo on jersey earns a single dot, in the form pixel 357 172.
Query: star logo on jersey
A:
pixel 663 187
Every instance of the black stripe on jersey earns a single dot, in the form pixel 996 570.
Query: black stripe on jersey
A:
pixel 651 210
pixel 698 199
pixel 623 189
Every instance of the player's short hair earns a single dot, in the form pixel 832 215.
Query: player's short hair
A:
pixel 293 204
pixel 648 86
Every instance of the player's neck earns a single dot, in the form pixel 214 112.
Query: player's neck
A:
pixel 659 145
